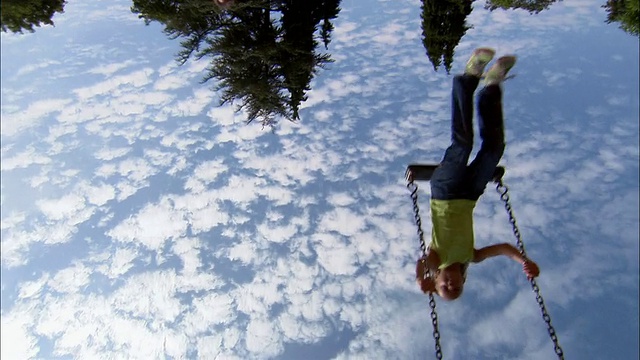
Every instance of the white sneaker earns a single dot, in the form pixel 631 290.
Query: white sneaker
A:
pixel 498 72
pixel 478 60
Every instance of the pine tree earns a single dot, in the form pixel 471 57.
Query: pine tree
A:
pixel 626 13
pixel 263 53
pixel 532 6
pixel 443 26
pixel 19 15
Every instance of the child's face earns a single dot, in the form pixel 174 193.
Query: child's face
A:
pixel 450 282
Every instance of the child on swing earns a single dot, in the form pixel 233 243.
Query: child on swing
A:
pixel 456 186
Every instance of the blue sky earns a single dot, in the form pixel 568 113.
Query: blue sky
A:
pixel 139 220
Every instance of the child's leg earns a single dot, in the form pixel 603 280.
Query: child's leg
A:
pixel 491 126
pixel 462 110
pixel 447 179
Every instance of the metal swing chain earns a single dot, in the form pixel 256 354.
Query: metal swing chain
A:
pixel 503 190
pixel 423 246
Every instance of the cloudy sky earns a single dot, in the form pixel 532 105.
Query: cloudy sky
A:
pixel 140 220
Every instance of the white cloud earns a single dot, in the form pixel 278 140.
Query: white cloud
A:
pixel 334 255
pixel 114 85
pixel 70 280
pixel 29 68
pixel 152 226
pixel 17 122
pixel 31 289
pixel 136 169
pixel 204 174
pixel 12 220
pixel 341 199
pixel 210 347
pixel 261 338
pixel 300 331
pixel 189 252
pixel 110 68
pixel 344 31
pixel 239 131
pixel 63 224
pixel 171 82
pixel 100 195
pixel 120 262
pixel 150 296
pixel 208 311
pixel 277 234
pixel 243 251
pixel 106 170
pixel 65 207
pixel 193 105
pixel 342 220
pixel 17 340
pixel 111 153
pixel 159 158
pixel 24 160
pixel 201 211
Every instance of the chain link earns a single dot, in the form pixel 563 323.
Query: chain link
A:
pixel 423 246
pixel 503 190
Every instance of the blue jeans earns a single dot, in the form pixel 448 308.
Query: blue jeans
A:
pixel 454 179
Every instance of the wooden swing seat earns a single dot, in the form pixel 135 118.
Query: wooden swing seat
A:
pixel 423 172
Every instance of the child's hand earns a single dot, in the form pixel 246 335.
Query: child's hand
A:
pixel 530 269
pixel 426 285
pixel 421 267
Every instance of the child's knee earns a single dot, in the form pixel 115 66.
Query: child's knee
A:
pixel 498 148
pixel 494 146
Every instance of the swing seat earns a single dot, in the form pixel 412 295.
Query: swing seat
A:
pixel 423 172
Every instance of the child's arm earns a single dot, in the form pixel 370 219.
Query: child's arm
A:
pixel 430 262
pixel 497 250
pixel 529 267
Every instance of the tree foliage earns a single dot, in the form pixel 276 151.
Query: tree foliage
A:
pixel 443 26
pixel 263 53
pixel 626 13
pixel 19 15
pixel 532 6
